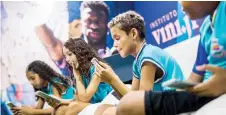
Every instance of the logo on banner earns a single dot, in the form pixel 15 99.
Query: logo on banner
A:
pixel 172 29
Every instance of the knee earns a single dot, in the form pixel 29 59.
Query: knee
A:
pixel 60 111
pixel 131 104
pixel 73 106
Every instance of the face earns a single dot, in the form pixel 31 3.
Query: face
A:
pixel 94 25
pixel 35 80
pixel 70 57
pixel 194 9
pixel 122 42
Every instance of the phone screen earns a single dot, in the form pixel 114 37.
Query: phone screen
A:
pixel 10 105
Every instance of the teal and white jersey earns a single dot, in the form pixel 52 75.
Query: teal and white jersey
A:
pixel 67 94
pixel 157 56
pixel 212 46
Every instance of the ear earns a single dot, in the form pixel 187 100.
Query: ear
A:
pixel 134 33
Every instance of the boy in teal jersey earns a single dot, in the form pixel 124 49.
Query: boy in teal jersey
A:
pixel 211 51
pixel 152 65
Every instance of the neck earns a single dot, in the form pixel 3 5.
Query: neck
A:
pixel 213 8
pixel 138 47
pixel 45 84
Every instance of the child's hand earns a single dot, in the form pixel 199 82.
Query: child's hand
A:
pixel 105 72
pixel 24 110
pixel 76 72
pixel 215 86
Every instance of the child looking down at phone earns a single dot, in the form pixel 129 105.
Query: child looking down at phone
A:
pixel 89 87
pixel 45 79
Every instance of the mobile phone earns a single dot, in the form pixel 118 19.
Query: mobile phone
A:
pixel 94 61
pixel 50 99
pixel 10 104
pixel 178 84
pixel 46 96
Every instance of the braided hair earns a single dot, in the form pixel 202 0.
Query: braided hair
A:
pixel 47 73
pixel 84 54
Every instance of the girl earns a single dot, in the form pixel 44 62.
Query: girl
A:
pixel 89 87
pixel 45 79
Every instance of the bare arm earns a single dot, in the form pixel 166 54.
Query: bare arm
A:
pixel 120 88
pixel 107 75
pixel 85 94
pixel 147 76
pixel 52 45
pixel 40 103
pixel 41 111
pixel 135 84
pixel 195 78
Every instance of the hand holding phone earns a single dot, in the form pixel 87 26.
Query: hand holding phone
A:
pixel 10 104
pixel 94 61
pixel 50 99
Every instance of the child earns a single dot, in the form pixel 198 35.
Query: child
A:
pixel 152 65
pixel 78 55
pixel 90 89
pixel 211 51
pixel 45 79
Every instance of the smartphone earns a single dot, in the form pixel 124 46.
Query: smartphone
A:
pixel 10 104
pixel 178 84
pixel 94 61
pixel 46 96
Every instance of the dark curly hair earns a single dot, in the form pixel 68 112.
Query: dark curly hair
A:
pixel 128 20
pixel 95 5
pixel 47 73
pixel 84 54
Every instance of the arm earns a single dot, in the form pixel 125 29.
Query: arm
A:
pixel 120 88
pixel 148 71
pixel 135 84
pixel 196 75
pixel 107 75
pixel 85 95
pixel 40 103
pixel 52 45
pixel 41 111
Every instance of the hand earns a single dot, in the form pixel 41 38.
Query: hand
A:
pixel 76 72
pixel 105 72
pixel 215 86
pixel 24 110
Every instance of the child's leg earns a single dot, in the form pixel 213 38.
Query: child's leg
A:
pixel 105 109
pixel 132 104
pixel 72 109
pixel 160 103
pixel 75 107
pixel 60 110
pixel 110 111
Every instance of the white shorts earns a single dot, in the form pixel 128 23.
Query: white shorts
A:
pixel 215 107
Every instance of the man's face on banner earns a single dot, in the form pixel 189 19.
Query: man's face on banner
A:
pixel 94 25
